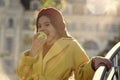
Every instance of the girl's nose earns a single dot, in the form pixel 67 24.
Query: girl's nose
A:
pixel 40 29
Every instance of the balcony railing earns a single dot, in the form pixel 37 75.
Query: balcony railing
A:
pixel 113 74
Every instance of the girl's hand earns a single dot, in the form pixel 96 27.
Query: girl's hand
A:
pixel 37 43
pixel 101 61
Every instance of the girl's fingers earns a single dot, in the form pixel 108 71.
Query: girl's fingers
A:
pixel 35 36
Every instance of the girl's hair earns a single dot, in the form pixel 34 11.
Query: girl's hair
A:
pixel 56 19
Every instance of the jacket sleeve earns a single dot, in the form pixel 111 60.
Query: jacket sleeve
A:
pixel 25 66
pixel 83 68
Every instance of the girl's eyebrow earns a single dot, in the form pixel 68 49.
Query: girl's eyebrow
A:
pixel 47 22
pixel 44 22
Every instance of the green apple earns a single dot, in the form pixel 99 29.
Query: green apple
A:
pixel 42 34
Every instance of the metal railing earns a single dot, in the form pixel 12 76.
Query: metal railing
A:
pixel 114 74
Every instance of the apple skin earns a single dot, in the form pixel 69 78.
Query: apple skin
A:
pixel 42 34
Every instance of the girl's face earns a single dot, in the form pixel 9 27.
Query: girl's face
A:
pixel 45 25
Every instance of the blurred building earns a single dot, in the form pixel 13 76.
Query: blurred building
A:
pixel 16 21
pixel 92 30
pixel 15 32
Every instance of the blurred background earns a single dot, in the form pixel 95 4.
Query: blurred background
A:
pixel 94 23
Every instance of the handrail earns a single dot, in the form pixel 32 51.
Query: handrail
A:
pixel 113 52
pixel 110 55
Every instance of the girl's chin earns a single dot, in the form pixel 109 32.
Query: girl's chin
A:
pixel 49 41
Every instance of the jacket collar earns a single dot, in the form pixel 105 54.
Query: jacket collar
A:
pixel 59 45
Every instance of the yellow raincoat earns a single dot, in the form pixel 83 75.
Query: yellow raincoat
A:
pixel 64 58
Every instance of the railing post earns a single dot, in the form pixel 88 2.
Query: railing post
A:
pixel 118 66
pixel 115 69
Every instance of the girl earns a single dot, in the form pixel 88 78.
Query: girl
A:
pixel 59 56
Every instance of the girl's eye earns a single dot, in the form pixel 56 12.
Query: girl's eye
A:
pixel 47 24
pixel 39 26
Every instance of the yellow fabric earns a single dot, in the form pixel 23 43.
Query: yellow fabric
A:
pixel 64 58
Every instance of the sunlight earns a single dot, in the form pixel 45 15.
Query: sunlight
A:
pixel 111 7
pixel 3 75
pixel 101 7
